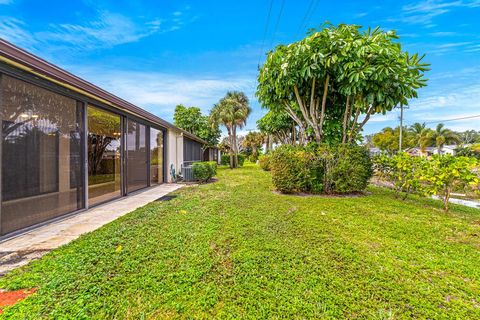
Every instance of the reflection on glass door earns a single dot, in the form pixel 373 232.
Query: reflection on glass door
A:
pixel 137 156
pixel 104 148
pixel 41 154
pixel 156 156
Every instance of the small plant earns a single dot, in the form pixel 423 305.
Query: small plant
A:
pixel 442 174
pixel 204 171
pixel 401 171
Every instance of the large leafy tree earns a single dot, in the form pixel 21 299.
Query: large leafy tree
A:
pixel 388 139
pixel 332 81
pixel 232 112
pixel 441 136
pixel 192 120
pixel 469 136
pixel 277 126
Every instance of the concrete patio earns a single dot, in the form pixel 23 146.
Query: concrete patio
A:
pixel 21 249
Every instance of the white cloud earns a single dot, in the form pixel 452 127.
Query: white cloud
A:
pixel 106 30
pixel 449 95
pixel 159 93
pixel 13 30
pixel 425 11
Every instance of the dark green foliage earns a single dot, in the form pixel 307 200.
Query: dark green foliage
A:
pixel 241 159
pixel 350 169
pixel 225 161
pixel 204 171
pixel 294 169
pixel 192 120
pixel 470 151
pixel 324 169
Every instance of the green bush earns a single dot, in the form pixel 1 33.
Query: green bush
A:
pixel 241 159
pixel 349 169
pixel 438 175
pixel 204 171
pixel 264 162
pixel 442 174
pixel 253 158
pixel 324 169
pixel 225 159
pixel 401 171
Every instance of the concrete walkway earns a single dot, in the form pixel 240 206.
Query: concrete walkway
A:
pixel 33 244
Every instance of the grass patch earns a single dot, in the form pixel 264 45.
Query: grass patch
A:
pixel 236 249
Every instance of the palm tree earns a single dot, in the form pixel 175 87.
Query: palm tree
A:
pixel 232 112
pixel 420 133
pixel 441 136
pixel 254 140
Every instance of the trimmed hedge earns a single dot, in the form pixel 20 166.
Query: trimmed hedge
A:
pixel 204 171
pixel 225 160
pixel 324 169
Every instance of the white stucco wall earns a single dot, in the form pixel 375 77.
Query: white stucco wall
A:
pixel 174 151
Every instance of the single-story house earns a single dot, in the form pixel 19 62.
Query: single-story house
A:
pixel 68 145
pixel 374 151
pixel 429 151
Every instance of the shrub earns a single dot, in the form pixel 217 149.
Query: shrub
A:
pixel 253 158
pixel 401 171
pixel 442 174
pixel 204 171
pixel 324 169
pixel 225 159
pixel 241 159
pixel 264 162
pixel 293 169
pixel 349 169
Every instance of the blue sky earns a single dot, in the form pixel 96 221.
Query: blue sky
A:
pixel 157 54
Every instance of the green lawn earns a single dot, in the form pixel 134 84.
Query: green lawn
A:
pixel 235 249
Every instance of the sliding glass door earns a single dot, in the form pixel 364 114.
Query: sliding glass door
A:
pixel 41 158
pixel 104 155
pixel 137 156
pixel 156 156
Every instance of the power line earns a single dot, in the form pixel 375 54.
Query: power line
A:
pixel 453 119
pixel 265 30
pixel 308 15
pixel 267 23
pixel 277 23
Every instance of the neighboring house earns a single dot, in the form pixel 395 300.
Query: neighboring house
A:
pixel 450 149
pixel 430 151
pixel 212 154
pixel 68 144
pixel 375 151
pixel 415 152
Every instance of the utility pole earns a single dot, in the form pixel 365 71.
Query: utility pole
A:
pixel 401 129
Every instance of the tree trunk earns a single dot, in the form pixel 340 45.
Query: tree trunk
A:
pixel 357 127
pixel 294 135
pixel 446 198
pixel 345 120
pixel 235 149
pixel 230 138
pixel 324 103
